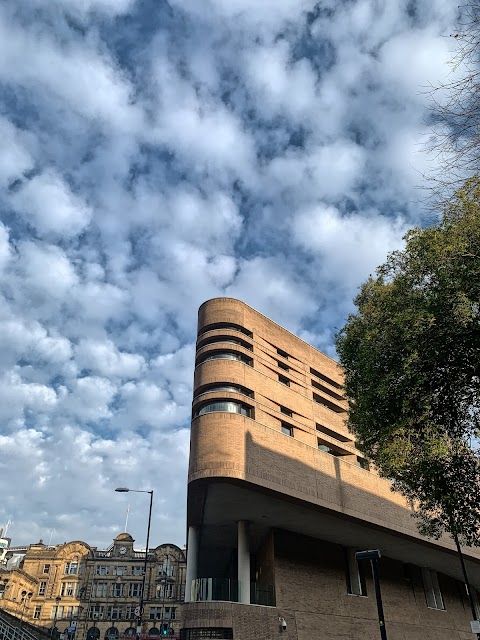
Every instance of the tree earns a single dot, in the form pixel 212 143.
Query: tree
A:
pixel 411 356
pixel 454 117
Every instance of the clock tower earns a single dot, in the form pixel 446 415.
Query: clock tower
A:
pixel 123 545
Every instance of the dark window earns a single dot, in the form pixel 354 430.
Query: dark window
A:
pixel 283 366
pixel 333 434
pixel 223 405
pixel 330 405
pixel 226 355
pixel 225 340
pixel 225 325
pixel 224 386
pixel 325 378
pixel 327 391
pixel 211 633
pixel 285 411
pixel 287 429
pixel 282 353
pixel 433 595
pixel 284 380
pixel 46 568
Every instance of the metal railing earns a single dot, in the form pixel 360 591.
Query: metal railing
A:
pixel 226 590
pixel 11 628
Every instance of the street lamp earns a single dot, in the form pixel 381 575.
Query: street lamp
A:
pixel 57 600
pixel 142 595
pixel 374 555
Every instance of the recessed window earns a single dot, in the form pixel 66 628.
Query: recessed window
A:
pixel 224 340
pixel 286 412
pixel 327 391
pixel 282 365
pixel 226 355
pixel 224 386
pixel 46 568
pixel 333 434
pixel 284 380
pixel 102 570
pixel 433 595
pixel 325 378
pixel 42 587
pixel 37 612
pixel 282 353
pixel 355 574
pixel 227 326
pixel 329 405
pixel 224 405
pixel 71 568
pixel 287 429
pixel 117 590
pixel 134 589
pixel 100 589
pixel 68 589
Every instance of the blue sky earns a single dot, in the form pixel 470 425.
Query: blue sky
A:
pixel 156 154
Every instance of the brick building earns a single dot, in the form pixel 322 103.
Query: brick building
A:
pixel 279 500
pixel 91 594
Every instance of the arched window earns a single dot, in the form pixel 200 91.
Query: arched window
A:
pixel 93 633
pixel 154 631
pixel 111 634
pixel 223 405
pixel 130 631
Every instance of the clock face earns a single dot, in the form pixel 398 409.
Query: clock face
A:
pixel 122 550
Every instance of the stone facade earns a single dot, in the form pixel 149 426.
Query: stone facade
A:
pixel 279 499
pixel 75 586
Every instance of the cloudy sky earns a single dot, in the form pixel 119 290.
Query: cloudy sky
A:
pixel 153 155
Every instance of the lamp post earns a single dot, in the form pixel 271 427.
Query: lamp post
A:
pixel 374 555
pixel 54 628
pixel 142 595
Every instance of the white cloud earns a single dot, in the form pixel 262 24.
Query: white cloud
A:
pixel 45 270
pixel 48 203
pixel 15 158
pixel 103 358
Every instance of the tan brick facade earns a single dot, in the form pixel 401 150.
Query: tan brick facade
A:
pixel 269 447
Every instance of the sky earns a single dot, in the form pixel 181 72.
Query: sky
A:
pixel 154 155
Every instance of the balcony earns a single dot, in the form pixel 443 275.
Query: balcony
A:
pixel 227 590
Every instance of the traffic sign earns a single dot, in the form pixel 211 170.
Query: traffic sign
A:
pixel 138 611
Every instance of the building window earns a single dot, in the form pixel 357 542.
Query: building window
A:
pixel 100 589
pixel 227 355
pixel 282 365
pixel 287 429
pixel 102 570
pixel 225 340
pixel 42 587
pixel 433 595
pixel 167 568
pixel 226 405
pixel 323 447
pixel 355 574
pixel 165 591
pixel 96 612
pixel 130 612
pixel 71 568
pixel 137 571
pixel 333 434
pixel 329 405
pixel 56 612
pixel 224 386
pixel 170 613
pixel 286 412
pixel 155 613
pixel 68 589
pixel 37 612
pixel 282 353
pixel 135 589
pixel 284 380
pixel 120 571
pixel 117 589
pixel 114 613
pixel 227 326
pixel 325 378
pixel 327 391
pixel 46 568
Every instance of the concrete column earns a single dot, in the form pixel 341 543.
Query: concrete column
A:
pixel 243 563
pixel 192 561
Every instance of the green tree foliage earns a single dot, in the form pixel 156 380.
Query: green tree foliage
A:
pixel 411 356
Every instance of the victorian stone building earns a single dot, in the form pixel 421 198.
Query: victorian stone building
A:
pixel 280 499
pixel 87 593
